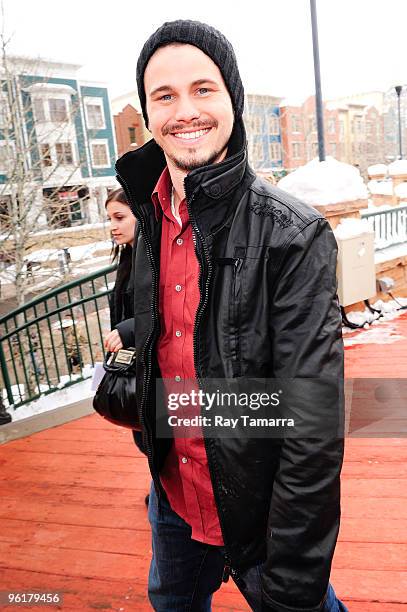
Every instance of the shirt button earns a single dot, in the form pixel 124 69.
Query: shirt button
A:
pixel 178 288
pixel 179 241
pixel 184 460
pixel 178 333
pixel 177 378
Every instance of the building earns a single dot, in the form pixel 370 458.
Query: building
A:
pixel 262 121
pixel 129 128
pixel 58 131
pixel 353 130
pixel 131 131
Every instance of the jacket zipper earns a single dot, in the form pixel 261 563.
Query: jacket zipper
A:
pixel 148 362
pixel 236 312
pixel 228 570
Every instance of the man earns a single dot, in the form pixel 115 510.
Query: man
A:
pixel 233 278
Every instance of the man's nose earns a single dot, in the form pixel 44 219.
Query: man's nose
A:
pixel 187 109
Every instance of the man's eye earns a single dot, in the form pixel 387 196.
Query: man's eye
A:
pixel 203 90
pixel 166 97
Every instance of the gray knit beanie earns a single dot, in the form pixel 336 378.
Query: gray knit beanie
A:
pixel 207 39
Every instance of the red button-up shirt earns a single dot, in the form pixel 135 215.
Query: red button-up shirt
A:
pixel 185 475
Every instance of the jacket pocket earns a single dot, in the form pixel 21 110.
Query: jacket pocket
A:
pixel 236 263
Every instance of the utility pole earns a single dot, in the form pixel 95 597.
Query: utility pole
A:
pixel 399 89
pixel 317 73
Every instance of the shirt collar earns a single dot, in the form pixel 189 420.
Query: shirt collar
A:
pixel 161 196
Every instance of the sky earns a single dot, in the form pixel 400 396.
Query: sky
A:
pixel 363 43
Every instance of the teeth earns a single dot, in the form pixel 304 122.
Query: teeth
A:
pixel 191 135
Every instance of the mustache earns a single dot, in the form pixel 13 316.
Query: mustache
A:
pixel 197 125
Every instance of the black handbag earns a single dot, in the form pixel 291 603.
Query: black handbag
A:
pixel 115 398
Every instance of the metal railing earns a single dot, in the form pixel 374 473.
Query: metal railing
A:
pixel 389 226
pixel 54 340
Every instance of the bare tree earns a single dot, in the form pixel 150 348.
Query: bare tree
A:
pixel 38 156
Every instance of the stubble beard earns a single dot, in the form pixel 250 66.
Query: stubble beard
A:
pixel 192 161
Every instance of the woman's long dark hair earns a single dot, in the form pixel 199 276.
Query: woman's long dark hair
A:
pixel 123 254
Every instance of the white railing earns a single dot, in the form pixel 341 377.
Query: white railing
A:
pixel 389 226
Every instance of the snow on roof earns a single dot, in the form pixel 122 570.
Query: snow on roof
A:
pixel 377 169
pixel 327 182
pixel 398 167
pixel 350 227
pixel 380 187
pixel 401 191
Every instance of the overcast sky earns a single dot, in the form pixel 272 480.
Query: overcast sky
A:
pixel 363 43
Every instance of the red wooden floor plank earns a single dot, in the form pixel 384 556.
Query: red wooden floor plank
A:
pixel 368 530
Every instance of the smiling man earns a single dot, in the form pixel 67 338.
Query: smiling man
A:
pixel 233 278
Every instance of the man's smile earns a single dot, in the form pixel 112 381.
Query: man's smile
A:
pixel 191 136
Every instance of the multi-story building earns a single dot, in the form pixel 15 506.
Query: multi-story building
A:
pixel 353 131
pixel 262 120
pixel 59 132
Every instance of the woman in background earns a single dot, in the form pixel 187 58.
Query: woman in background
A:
pixel 121 302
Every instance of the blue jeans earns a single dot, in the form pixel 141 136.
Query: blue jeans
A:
pixel 185 573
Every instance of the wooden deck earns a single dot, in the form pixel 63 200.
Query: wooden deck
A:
pixel 73 517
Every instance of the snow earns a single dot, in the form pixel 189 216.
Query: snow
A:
pixel 391 252
pixel 64 323
pixel 327 182
pixel 380 330
pixel 377 170
pixel 401 191
pixel 349 228
pixel 57 399
pixel 398 167
pixel 78 253
pixel 380 187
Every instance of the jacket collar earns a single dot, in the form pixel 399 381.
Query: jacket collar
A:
pixel 138 171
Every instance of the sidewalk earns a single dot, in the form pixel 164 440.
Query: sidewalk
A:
pixel 74 520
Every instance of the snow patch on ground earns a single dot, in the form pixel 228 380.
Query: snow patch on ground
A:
pixel 327 182
pixel 63 397
pixel 376 330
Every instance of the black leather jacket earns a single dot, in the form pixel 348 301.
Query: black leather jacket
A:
pixel 278 500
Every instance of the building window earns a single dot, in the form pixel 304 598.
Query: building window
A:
pixel 257 152
pixel 39 113
pixel 132 135
pixel 57 110
pixel 312 124
pixel 295 123
pixel 46 155
pixel 95 118
pixel 274 125
pixel 253 123
pixel 3 111
pixel 357 127
pixel 341 129
pixel 100 155
pixel 331 125
pixel 297 150
pixel 332 148
pixel 64 153
pixel 7 156
pixel 275 151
